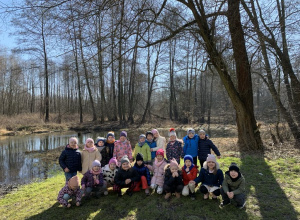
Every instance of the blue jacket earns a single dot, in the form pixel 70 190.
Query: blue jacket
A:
pixel 70 158
pixel 204 147
pixel 152 145
pixel 190 146
pixel 210 179
pixel 143 171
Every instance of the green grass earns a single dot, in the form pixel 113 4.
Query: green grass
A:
pixel 273 188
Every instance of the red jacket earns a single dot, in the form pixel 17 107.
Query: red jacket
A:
pixel 187 177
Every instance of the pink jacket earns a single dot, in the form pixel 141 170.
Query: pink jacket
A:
pixel 121 149
pixel 158 172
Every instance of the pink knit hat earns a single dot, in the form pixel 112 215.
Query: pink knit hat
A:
pixel 89 139
pixel 211 157
pixel 73 139
pixel 160 152
pixel 113 160
pixel 173 163
pixel 154 131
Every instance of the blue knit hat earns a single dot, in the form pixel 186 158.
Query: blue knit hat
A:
pixel 188 157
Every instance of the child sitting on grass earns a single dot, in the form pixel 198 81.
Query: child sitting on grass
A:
pixel 173 180
pixel 233 187
pixel 126 177
pixel 109 172
pixel 189 173
pixel 144 173
pixel 70 191
pixel 92 181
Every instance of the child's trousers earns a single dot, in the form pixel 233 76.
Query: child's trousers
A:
pixel 187 188
pixel 239 198
pixel 173 188
pixel 130 187
pixel 142 182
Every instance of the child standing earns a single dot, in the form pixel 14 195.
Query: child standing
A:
pixel 122 148
pixel 211 177
pixel 92 181
pixel 109 171
pixel 151 143
pixel 100 143
pixel 233 187
pixel 159 164
pixel 174 148
pixel 143 148
pixel 108 151
pixel 70 159
pixel 204 147
pixel 173 180
pixel 70 191
pixel 88 155
pixel 144 173
pixel 126 177
pixel 191 144
pixel 189 173
pixel 160 141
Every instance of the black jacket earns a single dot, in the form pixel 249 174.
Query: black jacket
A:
pixel 70 158
pixel 122 175
pixel 170 180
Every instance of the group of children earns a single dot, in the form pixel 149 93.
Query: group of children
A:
pixel 108 163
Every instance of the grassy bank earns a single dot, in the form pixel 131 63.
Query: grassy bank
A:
pixel 272 189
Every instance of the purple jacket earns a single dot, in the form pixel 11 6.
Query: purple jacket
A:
pixel 88 179
pixel 70 192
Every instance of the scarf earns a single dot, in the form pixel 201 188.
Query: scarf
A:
pixel 191 167
pixel 141 143
pixel 89 149
pixel 111 142
pixel 158 163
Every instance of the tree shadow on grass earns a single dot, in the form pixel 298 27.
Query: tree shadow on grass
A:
pixel 263 189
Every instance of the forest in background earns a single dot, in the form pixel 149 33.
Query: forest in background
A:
pixel 134 61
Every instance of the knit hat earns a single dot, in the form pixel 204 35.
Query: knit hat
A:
pixel 124 159
pixel 173 163
pixel 73 139
pixel 96 163
pixel 172 132
pixel 160 152
pixel 113 160
pixel 89 139
pixel 154 131
pixel 188 157
pixel 123 133
pixel 73 182
pixel 211 157
pixel 202 131
pixel 111 133
pixel 142 136
pixel 234 166
pixel 190 131
pixel 101 139
pixel 139 156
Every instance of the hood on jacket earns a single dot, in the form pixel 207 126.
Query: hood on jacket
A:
pixel 205 165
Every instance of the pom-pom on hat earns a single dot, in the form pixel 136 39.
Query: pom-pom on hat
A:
pixel 234 166
pixel 73 139
pixel 123 133
pixel 188 157
pixel 173 163
pixel 73 182
pixel 124 159
pixel 211 157
pixel 96 163
pixel 113 160
pixel 111 133
pixel 160 152
pixel 139 156
pixel 190 131
pixel 172 132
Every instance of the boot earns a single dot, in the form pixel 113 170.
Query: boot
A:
pixel 147 192
pixel 193 196
pixel 177 194
pixel 168 195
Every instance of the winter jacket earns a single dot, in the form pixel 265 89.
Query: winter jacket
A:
pixel 70 158
pixel 160 143
pixel 88 179
pixel 237 186
pixel 204 147
pixel 152 145
pixel 145 150
pixel 121 149
pixel 105 156
pixel 70 192
pixel 174 151
pixel 122 175
pixel 111 147
pixel 191 175
pixel 87 159
pixel 170 180
pixel 109 174
pixel 210 179
pixel 158 172
pixel 143 171
pixel 190 146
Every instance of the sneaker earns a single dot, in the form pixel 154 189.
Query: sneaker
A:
pixel 177 194
pixel 224 203
pixel 241 206
pixel 105 193
pixel 129 193
pixel 147 192
pixel 206 196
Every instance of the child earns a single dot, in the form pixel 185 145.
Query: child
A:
pixel 100 143
pixel 233 187
pixel 189 173
pixel 191 145
pixel 109 171
pixel 173 179
pixel 151 143
pixel 143 148
pixel 211 178
pixel 109 145
pixel 204 147
pixel 159 164
pixel 160 141
pixel 92 180
pixel 174 148
pixel 122 148
pixel 88 155
pixel 144 173
pixel 70 191
pixel 70 159
pixel 126 177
